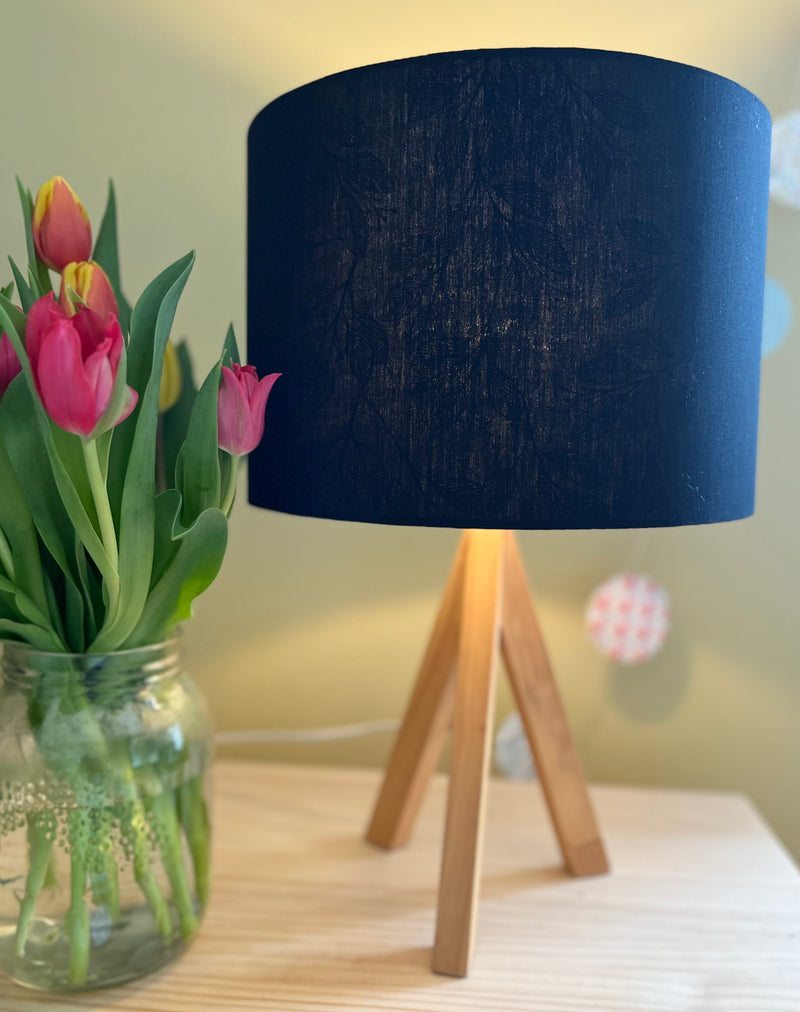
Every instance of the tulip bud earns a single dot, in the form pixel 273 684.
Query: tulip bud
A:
pixel 9 363
pixel 241 403
pixel 74 361
pixel 171 380
pixel 86 282
pixel 61 230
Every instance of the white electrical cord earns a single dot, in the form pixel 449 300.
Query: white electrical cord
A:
pixel 260 736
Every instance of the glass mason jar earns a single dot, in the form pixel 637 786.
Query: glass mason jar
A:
pixel 104 818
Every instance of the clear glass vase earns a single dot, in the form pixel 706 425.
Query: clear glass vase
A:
pixel 104 817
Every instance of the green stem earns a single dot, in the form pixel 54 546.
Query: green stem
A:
pixel 164 812
pixel 108 532
pixel 144 874
pixel 78 915
pixel 103 872
pixel 230 491
pixel 39 846
pixel 50 875
pixel 6 557
pixel 67 696
pixel 197 829
pixel 136 821
pixel 112 878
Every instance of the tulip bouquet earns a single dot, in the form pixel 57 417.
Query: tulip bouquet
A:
pixel 117 477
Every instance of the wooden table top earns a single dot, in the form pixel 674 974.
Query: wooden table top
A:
pixel 701 912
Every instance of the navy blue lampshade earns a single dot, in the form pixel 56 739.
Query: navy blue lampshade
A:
pixel 512 288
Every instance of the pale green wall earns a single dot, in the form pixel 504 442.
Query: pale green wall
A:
pixel 313 622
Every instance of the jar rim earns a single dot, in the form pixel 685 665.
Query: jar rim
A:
pixel 17 646
pixel 23 665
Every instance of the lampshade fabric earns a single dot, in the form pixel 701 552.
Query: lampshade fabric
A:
pixel 509 288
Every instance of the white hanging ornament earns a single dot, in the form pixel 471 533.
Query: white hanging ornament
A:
pixel 628 618
pixel 512 754
pixel 784 175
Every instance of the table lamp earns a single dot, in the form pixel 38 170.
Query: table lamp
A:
pixel 507 289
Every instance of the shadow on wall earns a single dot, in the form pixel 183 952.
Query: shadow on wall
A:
pixel 647 693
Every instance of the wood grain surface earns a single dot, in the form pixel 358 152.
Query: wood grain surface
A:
pixel 701 912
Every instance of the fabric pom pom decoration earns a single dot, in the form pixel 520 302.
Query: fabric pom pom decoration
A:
pixel 628 618
pixel 784 175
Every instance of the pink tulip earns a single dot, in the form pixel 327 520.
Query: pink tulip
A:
pixel 61 230
pixel 241 404
pixel 9 363
pixel 89 282
pixel 74 360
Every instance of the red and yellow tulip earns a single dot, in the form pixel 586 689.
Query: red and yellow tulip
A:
pixel 74 360
pixel 85 282
pixel 61 230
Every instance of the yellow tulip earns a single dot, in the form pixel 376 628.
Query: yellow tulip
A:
pixel 171 383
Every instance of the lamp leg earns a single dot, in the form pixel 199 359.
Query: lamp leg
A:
pixel 486 605
pixel 426 723
pixel 469 766
pixel 542 713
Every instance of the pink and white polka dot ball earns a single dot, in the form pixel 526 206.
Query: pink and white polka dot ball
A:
pixel 628 618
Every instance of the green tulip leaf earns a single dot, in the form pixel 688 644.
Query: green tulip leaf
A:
pixel 74 617
pixel 175 422
pixel 12 321
pixel 39 639
pixel 154 312
pixel 28 457
pixel 230 349
pixel 53 605
pixel 90 592
pixel 36 268
pixel 26 200
pixel 227 472
pixel 106 253
pixel 198 473
pixel 27 609
pixel 193 568
pixel 155 308
pixel 132 467
pixel 70 449
pixel 29 462
pixel 17 524
pixel 168 529
pixel 8 610
pixel 27 294
pixel 9 589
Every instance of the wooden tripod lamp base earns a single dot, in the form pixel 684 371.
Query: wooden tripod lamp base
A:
pixel 486 608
